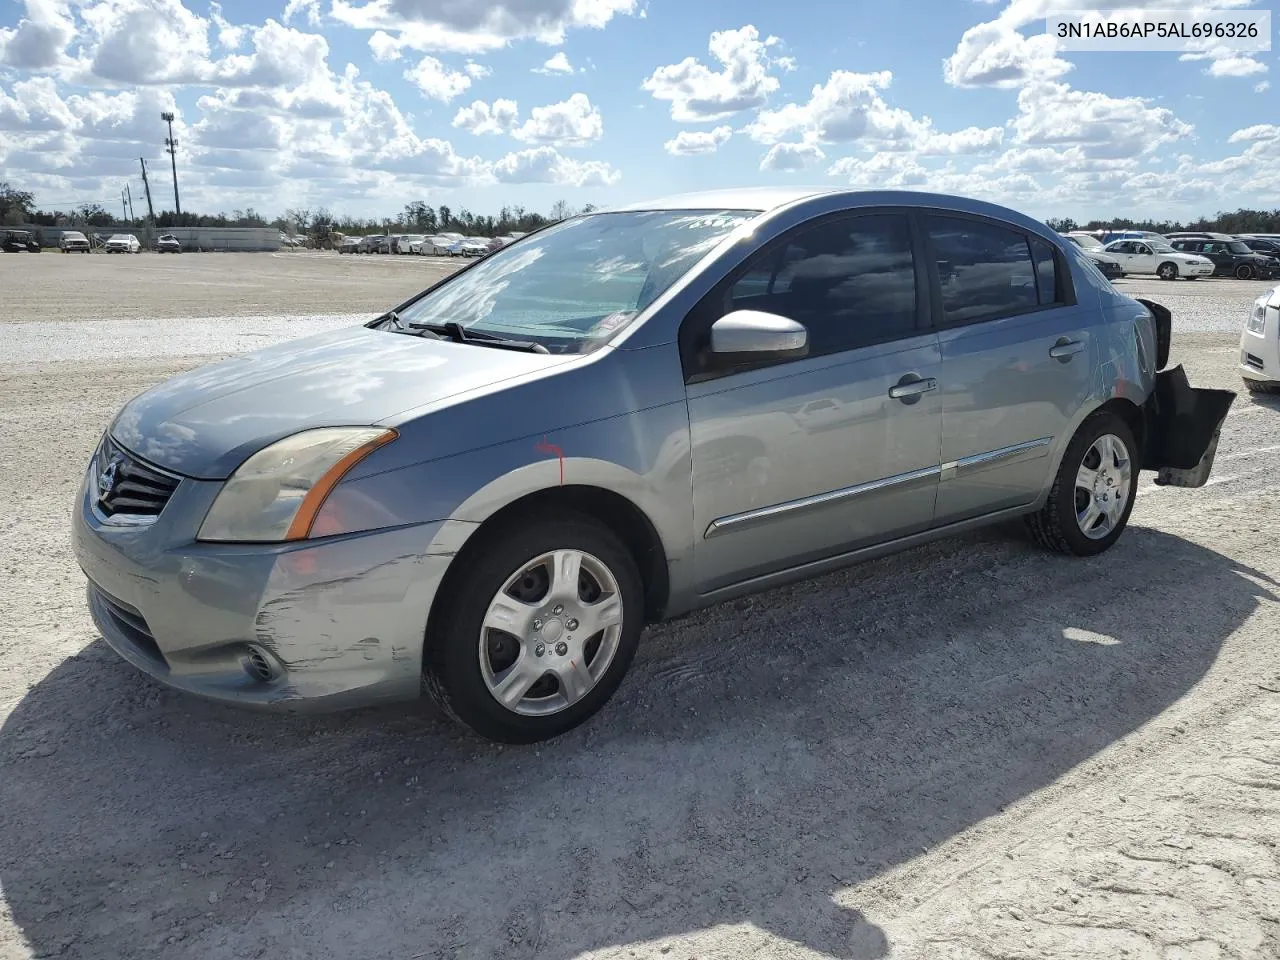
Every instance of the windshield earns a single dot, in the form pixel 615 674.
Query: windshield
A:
pixel 1089 243
pixel 573 285
pixel 1238 246
pixel 1160 247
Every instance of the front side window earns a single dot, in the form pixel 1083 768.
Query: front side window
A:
pixel 985 270
pixel 850 281
pixel 577 283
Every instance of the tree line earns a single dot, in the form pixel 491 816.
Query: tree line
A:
pixel 1239 221
pixel 19 207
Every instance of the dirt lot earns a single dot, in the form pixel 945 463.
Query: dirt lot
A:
pixel 971 750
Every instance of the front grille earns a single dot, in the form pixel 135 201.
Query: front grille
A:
pixel 131 623
pixel 1252 361
pixel 128 486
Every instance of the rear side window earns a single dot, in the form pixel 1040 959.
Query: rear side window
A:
pixel 850 281
pixel 985 270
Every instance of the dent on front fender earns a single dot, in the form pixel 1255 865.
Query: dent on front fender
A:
pixel 1183 424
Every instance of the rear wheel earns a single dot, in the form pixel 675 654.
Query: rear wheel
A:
pixel 1092 495
pixel 537 630
pixel 1167 271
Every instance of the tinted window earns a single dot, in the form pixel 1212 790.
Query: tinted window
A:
pixel 851 282
pixel 985 270
pixel 1046 271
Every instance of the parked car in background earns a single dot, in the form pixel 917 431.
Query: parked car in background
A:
pixel 474 247
pixel 1231 257
pixel 370 243
pixel 404 243
pixel 440 246
pixel 1264 245
pixel 72 241
pixel 1260 344
pixel 305 546
pixel 122 243
pixel 168 243
pixel 1158 259
pixel 1110 236
pixel 1092 248
pixel 18 241
pixel 350 245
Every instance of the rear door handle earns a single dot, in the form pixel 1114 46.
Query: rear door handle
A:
pixel 1065 349
pixel 905 389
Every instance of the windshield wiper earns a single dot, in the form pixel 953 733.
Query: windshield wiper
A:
pixel 455 332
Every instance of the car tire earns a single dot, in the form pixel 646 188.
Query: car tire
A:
pixel 1074 520
pixel 1167 271
pixel 1245 271
pixel 465 662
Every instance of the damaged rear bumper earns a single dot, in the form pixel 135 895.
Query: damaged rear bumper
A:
pixel 1183 424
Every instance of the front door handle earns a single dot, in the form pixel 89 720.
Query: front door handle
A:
pixel 908 389
pixel 1065 349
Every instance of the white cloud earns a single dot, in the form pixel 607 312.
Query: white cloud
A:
pixel 1053 114
pixel 1262 87
pixel 437 81
pixel 997 53
pixel 1224 62
pixel 132 42
pixel 573 122
pixel 558 64
pixel 475 70
pixel 35 107
pixel 384 47
pixel 472 27
pixel 230 36
pixel 1259 132
pixel 688 143
pixel 40 38
pixel 849 107
pixel 792 156
pixel 482 118
pixel 546 165
pixel 310 8
pixel 698 93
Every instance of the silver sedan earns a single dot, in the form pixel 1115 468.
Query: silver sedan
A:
pixel 488 492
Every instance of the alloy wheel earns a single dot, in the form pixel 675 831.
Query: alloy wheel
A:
pixel 1103 485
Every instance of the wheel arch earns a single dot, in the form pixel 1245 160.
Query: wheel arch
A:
pixel 615 511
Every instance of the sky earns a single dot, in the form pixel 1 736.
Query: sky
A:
pixel 362 106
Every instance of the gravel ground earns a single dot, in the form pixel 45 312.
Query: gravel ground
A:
pixel 1052 758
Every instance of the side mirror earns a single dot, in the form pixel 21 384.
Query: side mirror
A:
pixel 754 336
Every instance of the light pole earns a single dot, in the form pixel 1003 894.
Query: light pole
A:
pixel 171 145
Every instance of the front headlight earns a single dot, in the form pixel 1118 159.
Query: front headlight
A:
pixel 1258 315
pixel 275 495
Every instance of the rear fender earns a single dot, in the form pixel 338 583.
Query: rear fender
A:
pixel 1183 424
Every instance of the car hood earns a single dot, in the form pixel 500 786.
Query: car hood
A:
pixel 206 422
pixel 1100 257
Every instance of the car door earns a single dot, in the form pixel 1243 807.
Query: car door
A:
pixel 809 458
pixel 1018 355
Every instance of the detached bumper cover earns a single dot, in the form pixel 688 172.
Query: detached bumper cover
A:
pixel 1183 426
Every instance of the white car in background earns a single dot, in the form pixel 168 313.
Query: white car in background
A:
pixel 474 247
pixel 1260 345
pixel 437 247
pixel 122 243
pixel 1157 258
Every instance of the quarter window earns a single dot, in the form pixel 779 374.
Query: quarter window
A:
pixel 851 282
pixel 1046 272
pixel 985 271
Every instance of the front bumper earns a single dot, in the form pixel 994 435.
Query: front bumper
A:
pixel 313 626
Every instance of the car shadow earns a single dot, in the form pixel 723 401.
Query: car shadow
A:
pixel 766 757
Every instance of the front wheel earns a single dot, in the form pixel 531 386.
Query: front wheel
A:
pixel 1244 271
pixel 537 630
pixel 1168 271
pixel 1092 495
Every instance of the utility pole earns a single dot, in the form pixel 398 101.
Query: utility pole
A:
pixel 124 208
pixel 171 145
pixel 128 195
pixel 146 185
